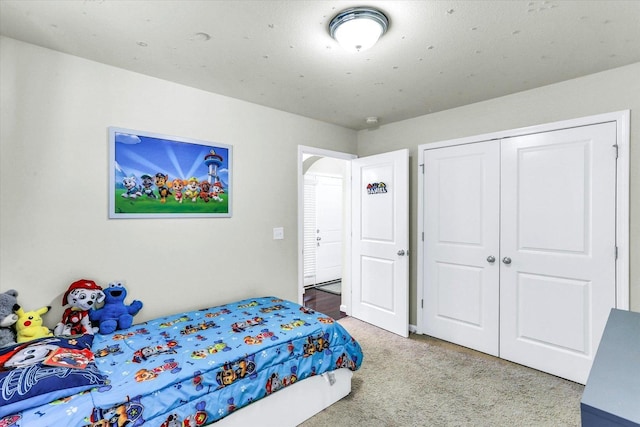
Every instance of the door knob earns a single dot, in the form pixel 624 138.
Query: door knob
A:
pixel 401 252
pixel 491 259
pixel 506 260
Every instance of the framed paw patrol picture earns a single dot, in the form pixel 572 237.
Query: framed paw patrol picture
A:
pixel 160 176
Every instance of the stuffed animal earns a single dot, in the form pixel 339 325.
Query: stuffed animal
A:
pixel 80 298
pixel 8 304
pixel 29 325
pixel 114 314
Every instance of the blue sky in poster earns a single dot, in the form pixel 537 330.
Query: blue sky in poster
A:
pixel 138 155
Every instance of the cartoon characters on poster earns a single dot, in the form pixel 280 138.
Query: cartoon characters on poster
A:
pixel 160 186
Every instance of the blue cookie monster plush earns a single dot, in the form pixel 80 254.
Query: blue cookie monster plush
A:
pixel 114 314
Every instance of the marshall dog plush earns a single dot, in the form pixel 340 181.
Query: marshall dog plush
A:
pixel 114 314
pixel 80 298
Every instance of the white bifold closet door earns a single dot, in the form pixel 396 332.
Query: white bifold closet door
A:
pixel 520 246
pixel 462 233
pixel 558 228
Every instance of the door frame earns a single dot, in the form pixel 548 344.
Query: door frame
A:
pixel 622 120
pixel 345 305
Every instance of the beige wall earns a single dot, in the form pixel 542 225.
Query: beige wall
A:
pixel 54 229
pixel 54 114
pixel 609 91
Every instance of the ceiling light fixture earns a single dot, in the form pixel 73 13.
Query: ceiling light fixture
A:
pixel 358 28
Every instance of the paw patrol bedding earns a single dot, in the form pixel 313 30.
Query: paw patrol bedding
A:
pixel 197 367
pixel 42 370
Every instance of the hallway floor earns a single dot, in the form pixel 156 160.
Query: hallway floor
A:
pixel 324 302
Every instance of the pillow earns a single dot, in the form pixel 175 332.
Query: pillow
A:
pixel 46 369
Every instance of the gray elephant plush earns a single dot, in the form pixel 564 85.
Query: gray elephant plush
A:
pixel 8 304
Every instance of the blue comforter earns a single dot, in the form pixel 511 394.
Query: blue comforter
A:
pixel 197 367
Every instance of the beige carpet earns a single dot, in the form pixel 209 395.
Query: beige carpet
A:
pixel 422 381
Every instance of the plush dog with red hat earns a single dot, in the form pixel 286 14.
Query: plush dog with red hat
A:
pixel 81 297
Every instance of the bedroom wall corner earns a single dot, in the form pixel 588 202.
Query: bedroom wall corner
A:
pixel 605 92
pixel 54 229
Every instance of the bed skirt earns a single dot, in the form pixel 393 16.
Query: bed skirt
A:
pixel 294 404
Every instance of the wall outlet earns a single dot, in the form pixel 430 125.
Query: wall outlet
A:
pixel 278 233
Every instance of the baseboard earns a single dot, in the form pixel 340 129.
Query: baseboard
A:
pixel 413 329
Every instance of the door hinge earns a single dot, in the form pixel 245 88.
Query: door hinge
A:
pixel 421 303
pixel 616 147
pixel 422 168
pixel 616 252
pixel 423 236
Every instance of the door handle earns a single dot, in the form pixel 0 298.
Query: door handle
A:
pixel 401 252
pixel 506 260
pixel 491 259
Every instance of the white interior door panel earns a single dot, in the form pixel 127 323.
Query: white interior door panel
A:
pixel 329 229
pixel 462 205
pixel 558 231
pixel 380 261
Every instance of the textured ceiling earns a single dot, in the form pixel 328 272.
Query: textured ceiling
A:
pixel 436 55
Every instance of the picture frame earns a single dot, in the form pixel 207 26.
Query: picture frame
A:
pixel 159 176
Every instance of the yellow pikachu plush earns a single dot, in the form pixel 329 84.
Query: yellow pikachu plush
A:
pixel 29 325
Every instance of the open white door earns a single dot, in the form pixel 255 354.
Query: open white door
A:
pixel 380 251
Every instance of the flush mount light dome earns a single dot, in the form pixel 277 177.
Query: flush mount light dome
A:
pixel 358 28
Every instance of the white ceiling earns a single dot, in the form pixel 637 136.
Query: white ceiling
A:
pixel 436 55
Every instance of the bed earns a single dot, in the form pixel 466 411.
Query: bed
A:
pixel 261 361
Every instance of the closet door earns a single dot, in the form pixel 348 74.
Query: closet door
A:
pixel 557 247
pixel 462 207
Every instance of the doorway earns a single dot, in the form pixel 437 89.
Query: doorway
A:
pixel 375 248
pixel 324 230
pixel 323 219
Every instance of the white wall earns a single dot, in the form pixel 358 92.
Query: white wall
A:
pixel 54 112
pixel 54 229
pixel 609 91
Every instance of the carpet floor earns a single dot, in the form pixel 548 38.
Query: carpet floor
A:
pixel 423 381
